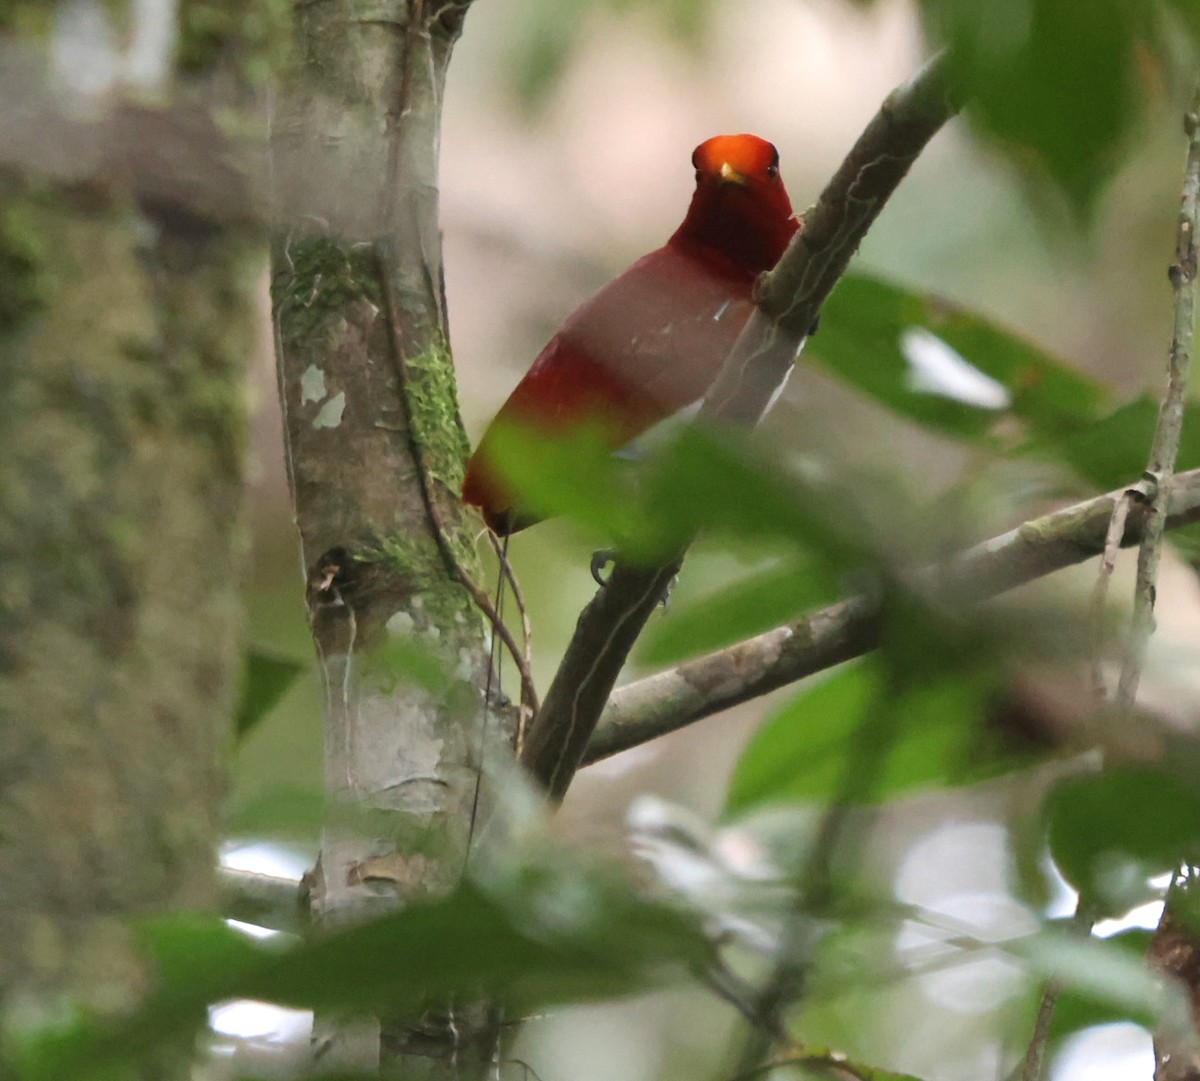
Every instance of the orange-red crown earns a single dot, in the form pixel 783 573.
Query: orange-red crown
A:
pixel 736 156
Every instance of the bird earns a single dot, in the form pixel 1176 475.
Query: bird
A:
pixel 650 342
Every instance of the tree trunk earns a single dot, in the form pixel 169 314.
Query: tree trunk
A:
pixel 374 450
pixel 124 335
pixel 127 314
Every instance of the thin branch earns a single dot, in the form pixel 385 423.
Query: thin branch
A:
pixel 1108 563
pixel 833 1063
pixel 1033 1065
pixel 1153 492
pixel 264 900
pixel 790 298
pixel 666 701
pixel 529 703
pixel 1170 416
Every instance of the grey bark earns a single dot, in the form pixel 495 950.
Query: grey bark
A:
pixel 375 449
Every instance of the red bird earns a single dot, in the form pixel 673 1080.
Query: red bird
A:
pixel 652 340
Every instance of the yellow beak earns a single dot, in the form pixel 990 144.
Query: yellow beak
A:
pixel 731 175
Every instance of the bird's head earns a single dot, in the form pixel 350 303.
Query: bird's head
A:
pixel 740 206
pixel 744 160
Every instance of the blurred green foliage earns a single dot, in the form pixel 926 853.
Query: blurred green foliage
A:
pixel 266 678
pixel 1076 1009
pixel 932 733
pixel 467 945
pixel 1057 83
pixel 1111 832
pixel 928 710
pixel 866 340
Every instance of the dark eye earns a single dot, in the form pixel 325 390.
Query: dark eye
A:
pixel 772 171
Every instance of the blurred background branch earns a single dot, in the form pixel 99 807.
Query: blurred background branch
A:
pixel 655 705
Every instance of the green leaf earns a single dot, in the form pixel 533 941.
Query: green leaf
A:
pixel 578 936
pixel 867 326
pixel 717 481
pixel 198 960
pixel 1066 415
pixel 266 678
pixel 292 812
pixel 751 606
pixel 191 950
pixel 403 658
pixel 698 480
pixel 1110 832
pixel 858 722
pixel 575 475
pixel 1078 1009
pixel 1054 82
pixel 1187 12
pixel 1114 450
pixel 1109 973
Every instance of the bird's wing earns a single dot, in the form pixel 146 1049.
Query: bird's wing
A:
pixel 663 328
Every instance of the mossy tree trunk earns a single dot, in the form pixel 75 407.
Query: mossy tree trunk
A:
pixel 375 449
pixel 126 319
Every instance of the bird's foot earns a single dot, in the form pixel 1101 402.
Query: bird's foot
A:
pixel 601 558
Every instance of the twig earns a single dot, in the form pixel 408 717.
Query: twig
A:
pixel 1174 954
pixel 264 900
pixel 1108 563
pixel 506 572
pixel 723 983
pixel 1174 947
pixel 790 298
pixel 664 702
pixel 1153 492
pixel 1033 1064
pixel 1170 416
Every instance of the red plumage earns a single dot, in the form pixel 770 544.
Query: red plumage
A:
pixel 652 340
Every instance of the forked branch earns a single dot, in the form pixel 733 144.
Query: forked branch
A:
pixel 790 297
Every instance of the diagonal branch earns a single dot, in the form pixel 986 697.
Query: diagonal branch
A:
pixel 666 701
pixel 790 298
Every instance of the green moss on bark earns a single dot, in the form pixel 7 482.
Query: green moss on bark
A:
pixel 120 484
pixel 24 278
pixel 433 403
pixel 323 277
pixel 417 562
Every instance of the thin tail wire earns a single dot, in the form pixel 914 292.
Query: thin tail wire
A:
pixel 494 676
